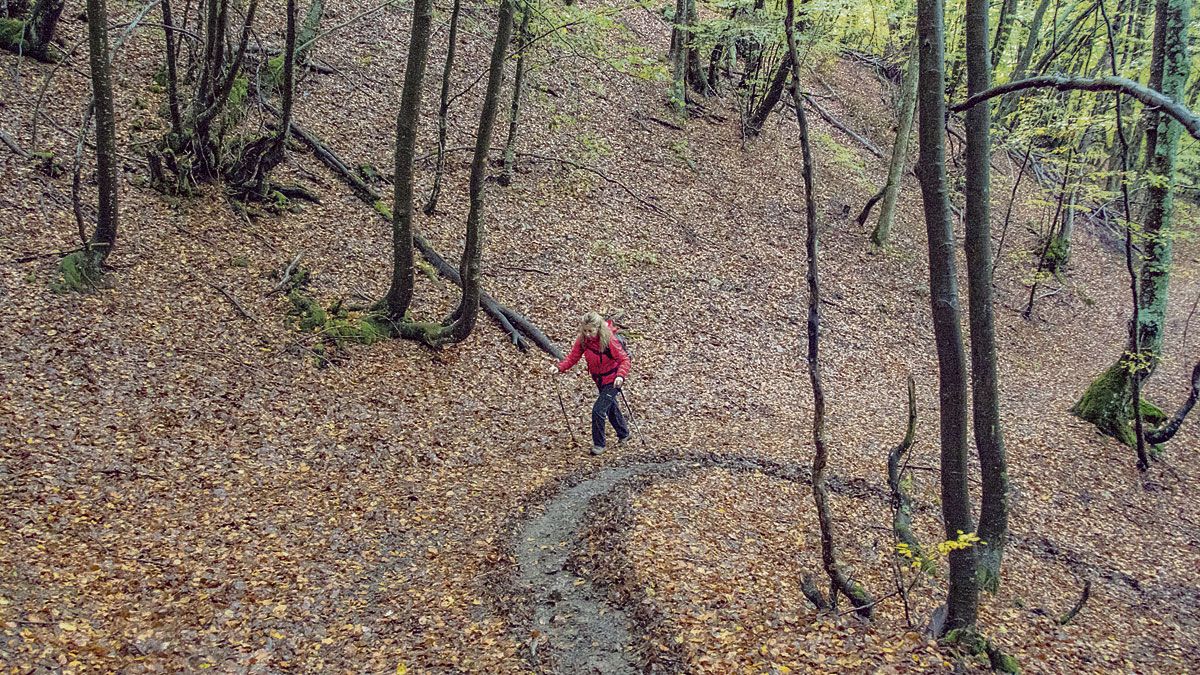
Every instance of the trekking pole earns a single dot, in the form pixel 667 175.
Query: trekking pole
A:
pixel 563 406
pixel 632 420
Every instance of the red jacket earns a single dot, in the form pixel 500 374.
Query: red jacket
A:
pixel 605 366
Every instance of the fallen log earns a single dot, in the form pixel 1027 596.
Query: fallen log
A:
pixel 508 319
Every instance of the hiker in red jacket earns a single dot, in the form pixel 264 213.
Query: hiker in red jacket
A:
pixel 608 365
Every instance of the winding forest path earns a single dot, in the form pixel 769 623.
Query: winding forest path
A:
pixel 586 632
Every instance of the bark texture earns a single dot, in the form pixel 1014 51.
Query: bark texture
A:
pixel 963 599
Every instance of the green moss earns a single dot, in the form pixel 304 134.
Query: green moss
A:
pixel 1106 404
pixel 383 209
pixel 78 273
pixel 12 33
pixel 1152 415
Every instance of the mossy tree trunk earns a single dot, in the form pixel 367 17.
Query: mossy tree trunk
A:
pixel 840 581
pixel 105 237
pixel 32 36
pixel 400 293
pixel 1108 401
pixel 468 309
pixel 985 388
pixel 963 597
pixel 756 120
pixel 904 122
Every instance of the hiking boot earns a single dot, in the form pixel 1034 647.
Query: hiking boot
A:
pixel 597 449
pixel 628 437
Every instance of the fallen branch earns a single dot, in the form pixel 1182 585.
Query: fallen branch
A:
pixel 1083 598
pixel 512 322
pixel 287 274
pixel 1167 431
pixel 837 124
pixel 1147 96
pixel 237 305
pixel 591 169
pixel 12 144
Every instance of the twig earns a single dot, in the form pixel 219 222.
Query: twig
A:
pixel 520 268
pixel 12 144
pixel 237 305
pixel 1083 598
pixel 825 115
pixel 591 169
pixel 287 274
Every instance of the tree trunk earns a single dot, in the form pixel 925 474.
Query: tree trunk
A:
pixel 1169 69
pixel 679 39
pixel 1004 22
pixel 907 107
pixel 400 293
pixel 989 439
pixel 963 597
pixel 514 112
pixel 1024 57
pixel 839 579
pixel 39 29
pixel 468 309
pixel 759 117
pixel 443 109
pixel 1109 401
pixel 105 237
pixel 695 76
pixel 172 69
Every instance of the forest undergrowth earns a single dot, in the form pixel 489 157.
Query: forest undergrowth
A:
pixel 190 481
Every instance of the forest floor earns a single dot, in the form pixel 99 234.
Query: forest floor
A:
pixel 185 486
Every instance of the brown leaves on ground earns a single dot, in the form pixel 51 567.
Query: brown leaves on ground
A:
pixel 185 490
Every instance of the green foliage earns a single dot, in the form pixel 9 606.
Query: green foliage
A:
pixel 683 152
pixel 841 155
pixel 335 327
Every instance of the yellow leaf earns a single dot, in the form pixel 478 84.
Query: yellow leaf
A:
pixel 67 626
pixel 401 669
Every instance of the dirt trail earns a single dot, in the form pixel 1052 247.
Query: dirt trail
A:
pixel 585 632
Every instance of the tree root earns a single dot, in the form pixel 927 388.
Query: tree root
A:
pixel 518 327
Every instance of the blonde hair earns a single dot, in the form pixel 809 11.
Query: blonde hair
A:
pixel 592 325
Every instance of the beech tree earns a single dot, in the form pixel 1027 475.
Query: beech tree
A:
pixel 963 600
pixel 985 389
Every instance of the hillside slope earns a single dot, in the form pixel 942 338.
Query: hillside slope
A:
pixel 184 487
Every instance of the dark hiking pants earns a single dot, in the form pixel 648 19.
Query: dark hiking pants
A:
pixel 606 407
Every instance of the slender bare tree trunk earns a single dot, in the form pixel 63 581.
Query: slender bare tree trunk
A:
pixel 399 295
pixel 963 599
pixel 839 580
pixel 985 388
pixel 904 123
pixel 514 111
pixel 444 109
pixel 468 309
pixel 105 237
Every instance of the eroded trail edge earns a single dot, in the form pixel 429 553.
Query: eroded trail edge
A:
pixel 574 619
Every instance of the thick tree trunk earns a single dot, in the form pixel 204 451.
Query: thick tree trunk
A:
pixel 468 308
pixel 907 106
pixel 985 388
pixel 758 118
pixel 444 109
pixel 400 293
pixel 1169 69
pixel 105 237
pixel 840 581
pixel 39 30
pixel 963 600
pixel 514 111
